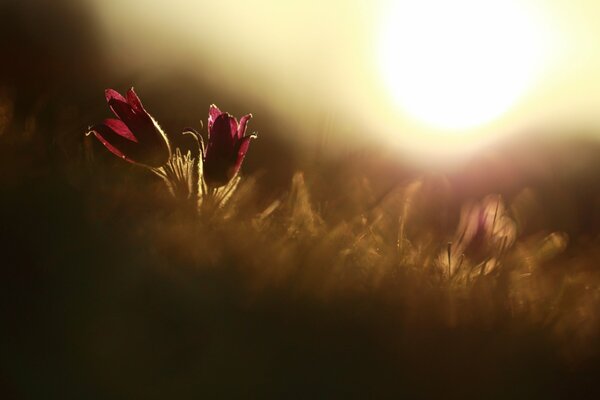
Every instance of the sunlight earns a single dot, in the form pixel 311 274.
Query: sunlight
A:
pixel 458 65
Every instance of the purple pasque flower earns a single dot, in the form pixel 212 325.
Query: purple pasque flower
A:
pixel 227 146
pixel 134 135
pixel 486 225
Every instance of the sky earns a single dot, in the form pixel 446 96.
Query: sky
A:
pixel 314 61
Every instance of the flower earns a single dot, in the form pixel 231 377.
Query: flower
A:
pixel 227 146
pixel 134 135
pixel 486 226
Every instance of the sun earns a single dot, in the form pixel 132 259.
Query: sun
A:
pixel 458 64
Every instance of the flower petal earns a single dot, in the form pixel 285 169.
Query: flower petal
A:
pixel 242 148
pixel 122 110
pixel 221 142
pixel 120 128
pixel 213 113
pixel 128 110
pixel 241 131
pixel 221 151
pixel 134 101
pixel 112 94
pixel 145 129
pixel 118 144
pixel 233 126
pixel 134 136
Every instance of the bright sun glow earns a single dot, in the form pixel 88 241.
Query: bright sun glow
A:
pixel 458 64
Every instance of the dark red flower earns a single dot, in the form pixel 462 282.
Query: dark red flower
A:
pixel 227 146
pixel 134 135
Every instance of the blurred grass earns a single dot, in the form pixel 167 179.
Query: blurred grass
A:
pixel 330 285
pixel 330 282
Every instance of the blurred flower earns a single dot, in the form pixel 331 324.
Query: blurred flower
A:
pixel 486 225
pixel 134 135
pixel 485 232
pixel 227 147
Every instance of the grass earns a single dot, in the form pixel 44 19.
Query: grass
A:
pixel 327 287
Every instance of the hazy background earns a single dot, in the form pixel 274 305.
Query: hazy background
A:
pixel 315 65
pixel 106 289
pixel 310 68
pixel 309 73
